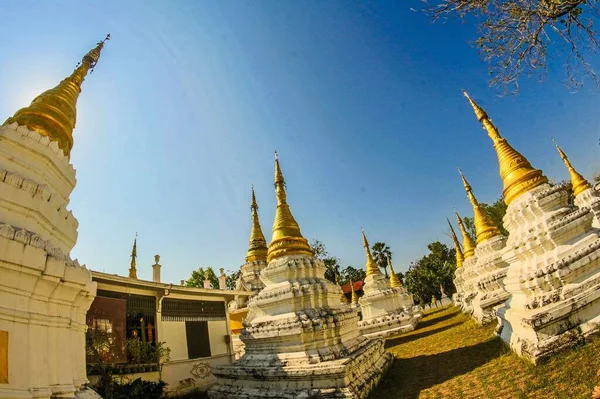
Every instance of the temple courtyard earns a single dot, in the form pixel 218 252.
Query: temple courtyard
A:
pixel 450 356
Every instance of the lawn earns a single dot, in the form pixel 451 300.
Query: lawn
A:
pixel 450 356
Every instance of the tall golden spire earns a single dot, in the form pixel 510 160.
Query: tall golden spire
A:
pixel 53 113
pixel 286 239
pixel 468 245
pixel 354 294
pixel 132 269
pixel 517 174
pixel 258 245
pixel 578 182
pixel 372 268
pixel 459 254
pixel 484 227
pixel 394 280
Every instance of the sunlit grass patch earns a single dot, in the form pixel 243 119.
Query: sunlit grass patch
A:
pixel 450 356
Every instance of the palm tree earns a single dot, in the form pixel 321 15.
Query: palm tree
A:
pixel 381 253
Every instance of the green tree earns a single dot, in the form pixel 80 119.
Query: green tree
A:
pixel 434 270
pixel 381 254
pixel 596 178
pixel 332 264
pixel 199 275
pixel 351 274
pixel 231 279
pixel 517 36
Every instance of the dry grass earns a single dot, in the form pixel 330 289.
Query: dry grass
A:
pixel 450 356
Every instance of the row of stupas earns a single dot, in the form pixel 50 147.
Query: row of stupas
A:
pixel 542 281
pixel 300 339
pixel 386 306
pixel 44 294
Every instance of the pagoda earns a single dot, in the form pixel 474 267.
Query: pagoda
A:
pixel 465 275
pixel 490 269
pixel 386 310
pixel 553 256
pixel 300 339
pixel 45 294
pixel 249 279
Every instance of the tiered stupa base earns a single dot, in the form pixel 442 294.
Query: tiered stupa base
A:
pixel 353 376
pixel 386 311
pixel 300 341
pixel 491 271
pixel 555 297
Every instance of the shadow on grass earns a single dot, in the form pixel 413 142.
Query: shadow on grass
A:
pixel 436 310
pixel 402 339
pixel 421 372
pixel 435 320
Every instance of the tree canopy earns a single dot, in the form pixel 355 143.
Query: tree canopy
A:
pixel 351 274
pixel 516 37
pixel 231 279
pixel 332 264
pixel 434 270
pixel 381 255
pixel 199 275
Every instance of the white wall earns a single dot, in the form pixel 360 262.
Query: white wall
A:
pixel 173 333
pixel 216 335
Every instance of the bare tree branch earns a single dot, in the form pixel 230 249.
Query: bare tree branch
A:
pixel 518 37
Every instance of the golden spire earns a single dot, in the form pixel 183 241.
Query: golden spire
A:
pixel 484 227
pixel 53 113
pixel 517 174
pixel 578 182
pixel 354 294
pixel 132 269
pixel 394 280
pixel 258 245
pixel 459 254
pixel 372 268
pixel 286 239
pixel 468 244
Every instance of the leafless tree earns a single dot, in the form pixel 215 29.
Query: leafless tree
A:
pixel 520 37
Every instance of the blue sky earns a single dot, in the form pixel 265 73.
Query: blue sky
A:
pixel 362 100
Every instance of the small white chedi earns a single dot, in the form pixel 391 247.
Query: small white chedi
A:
pixel 465 276
pixel 387 307
pixel 300 339
pixel 249 279
pixel 553 255
pixel 488 271
pixel 44 294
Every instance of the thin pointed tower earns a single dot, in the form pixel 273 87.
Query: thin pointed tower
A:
pixel 249 279
pixel 517 174
pixel 488 278
pixel 387 308
pixel 54 112
pixel 132 267
pixel 36 181
pixel 300 340
pixel 585 195
pixel 553 257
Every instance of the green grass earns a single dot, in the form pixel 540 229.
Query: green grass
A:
pixel 450 356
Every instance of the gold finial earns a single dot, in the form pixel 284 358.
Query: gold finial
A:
pixel 517 174
pixel 258 245
pixel 484 227
pixel 578 182
pixel 468 245
pixel 371 267
pixel 132 269
pixel 459 254
pixel 394 280
pixel 354 294
pixel 287 238
pixel 54 112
